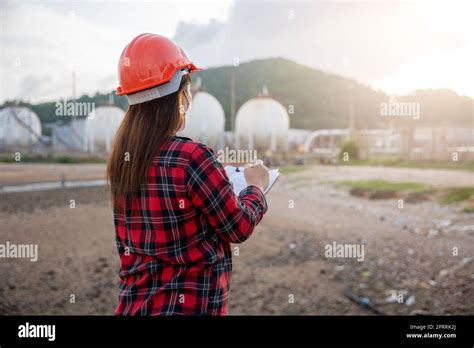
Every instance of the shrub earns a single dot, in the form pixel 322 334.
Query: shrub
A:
pixel 351 148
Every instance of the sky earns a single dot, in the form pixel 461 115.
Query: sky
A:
pixel 395 46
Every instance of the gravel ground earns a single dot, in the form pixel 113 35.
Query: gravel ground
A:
pixel 409 251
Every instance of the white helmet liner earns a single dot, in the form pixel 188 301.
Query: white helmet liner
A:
pixel 158 91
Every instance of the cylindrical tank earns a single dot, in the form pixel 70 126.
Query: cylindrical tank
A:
pixel 19 126
pixel 100 128
pixel 262 123
pixel 205 122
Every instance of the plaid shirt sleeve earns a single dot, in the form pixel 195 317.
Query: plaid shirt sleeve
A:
pixel 210 190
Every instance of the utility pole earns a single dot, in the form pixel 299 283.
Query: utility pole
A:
pixel 232 98
pixel 73 141
pixel 351 114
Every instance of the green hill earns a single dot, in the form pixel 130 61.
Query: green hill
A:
pixel 322 100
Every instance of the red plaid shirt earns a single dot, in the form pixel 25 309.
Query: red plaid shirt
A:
pixel 174 239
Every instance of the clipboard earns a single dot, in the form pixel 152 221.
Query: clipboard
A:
pixel 237 177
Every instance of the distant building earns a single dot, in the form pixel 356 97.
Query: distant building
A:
pixel 420 142
pixel 325 142
pixel 442 142
pixel 100 128
pixel 262 123
pixel 206 120
pixel 63 138
pixel 20 128
pixel 296 139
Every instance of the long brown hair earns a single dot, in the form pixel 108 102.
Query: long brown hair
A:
pixel 144 129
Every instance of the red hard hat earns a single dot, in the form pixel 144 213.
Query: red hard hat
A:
pixel 148 61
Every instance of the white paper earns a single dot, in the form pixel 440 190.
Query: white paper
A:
pixel 238 178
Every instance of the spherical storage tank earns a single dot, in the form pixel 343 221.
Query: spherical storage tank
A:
pixel 262 123
pixel 205 122
pixel 100 128
pixel 19 126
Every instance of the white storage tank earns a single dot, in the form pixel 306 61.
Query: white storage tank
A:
pixel 100 128
pixel 19 127
pixel 262 123
pixel 206 121
pixel 64 139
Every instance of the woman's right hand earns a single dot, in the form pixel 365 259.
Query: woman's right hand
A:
pixel 257 174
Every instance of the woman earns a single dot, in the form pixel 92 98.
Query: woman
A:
pixel 175 211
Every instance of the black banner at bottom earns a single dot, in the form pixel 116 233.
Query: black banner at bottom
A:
pixel 341 330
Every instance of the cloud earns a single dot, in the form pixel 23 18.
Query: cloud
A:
pixel 193 35
pixel 368 41
pixel 42 46
pixel 33 85
pixel 51 39
pixel 386 43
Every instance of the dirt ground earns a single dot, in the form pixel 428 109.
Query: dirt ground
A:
pixel 409 250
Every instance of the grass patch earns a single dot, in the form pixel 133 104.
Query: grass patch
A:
pixel 469 209
pixel 382 185
pixel 299 182
pixel 405 163
pixel 456 195
pixel 413 190
pixel 64 159
pixel 292 169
